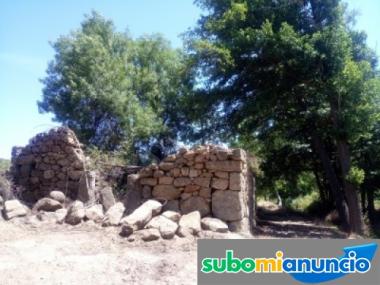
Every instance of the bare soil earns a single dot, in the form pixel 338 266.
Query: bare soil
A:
pixel 48 253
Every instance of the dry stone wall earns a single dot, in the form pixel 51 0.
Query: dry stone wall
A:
pixel 51 161
pixel 210 179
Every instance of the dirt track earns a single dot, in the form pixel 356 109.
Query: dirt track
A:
pixel 88 255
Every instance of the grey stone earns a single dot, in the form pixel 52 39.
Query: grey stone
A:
pixel 75 213
pixel 172 215
pixel 166 226
pixel 227 205
pixel 58 196
pixel 95 213
pixel 149 234
pixel 114 214
pixel 13 208
pixel 195 203
pixel 190 224
pixel 47 204
pixel 214 224
pixel 107 199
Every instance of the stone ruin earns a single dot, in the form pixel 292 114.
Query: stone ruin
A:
pixel 207 188
pixel 213 180
pixel 51 161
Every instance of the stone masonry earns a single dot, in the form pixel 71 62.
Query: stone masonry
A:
pixel 213 180
pixel 52 161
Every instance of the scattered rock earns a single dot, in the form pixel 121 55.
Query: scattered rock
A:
pixel 172 205
pixel 58 196
pixel 61 215
pixel 172 215
pixel 190 224
pixel 166 227
pixel 107 199
pixel 95 213
pixel 75 213
pixel 140 217
pixel 114 215
pixel 14 208
pixel 214 224
pixel 149 234
pixel 47 204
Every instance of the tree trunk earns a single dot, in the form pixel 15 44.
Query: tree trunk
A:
pixel 333 181
pixel 371 205
pixel 353 201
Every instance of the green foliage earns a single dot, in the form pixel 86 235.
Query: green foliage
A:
pixel 356 175
pixel 113 91
pixel 304 203
pixel 4 165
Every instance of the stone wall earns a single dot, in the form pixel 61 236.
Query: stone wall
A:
pixel 210 179
pixel 51 161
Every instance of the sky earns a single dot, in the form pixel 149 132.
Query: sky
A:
pixel 27 27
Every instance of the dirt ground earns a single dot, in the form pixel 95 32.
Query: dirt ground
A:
pixel 48 253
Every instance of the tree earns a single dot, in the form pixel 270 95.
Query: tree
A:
pixel 292 71
pixel 116 93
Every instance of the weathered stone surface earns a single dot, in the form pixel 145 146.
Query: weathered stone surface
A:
pixel 167 192
pixel 61 215
pixel 172 205
pixel 239 154
pixel 149 234
pixel 166 180
pixel 114 215
pixel 190 224
pixel 195 203
pixel 146 192
pixel 166 166
pixel 226 165
pixel 222 154
pixel 172 215
pixel 202 181
pixel 95 213
pixel 236 181
pixel 205 192
pixel 86 189
pixel 13 208
pixel 219 183
pixel 194 172
pixel 181 181
pixel 227 205
pixel 141 216
pixel 191 188
pixel 47 204
pixel 58 196
pixel 148 181
pixel 107 199
pixel 213 224
pixel 75 213
pixel 48 174
pixel 221 174
pixel 185 196
pixel 166 226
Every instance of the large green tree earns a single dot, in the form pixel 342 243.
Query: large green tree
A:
pixel 113 91
pixel 290 71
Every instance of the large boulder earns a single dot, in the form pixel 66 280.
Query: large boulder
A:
pixel 149 234
pixel 172 215
pixel 140 217
pixel 58 196
pixel 47 204
pixel 75 213
pixel 114 215
pixel 166 227
pixel 107 199
pixel 214 224
pixel 227 205
pixel 86 189
pixel 95 213
pixel 190 224
pixel 14 208
pixel 195 203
